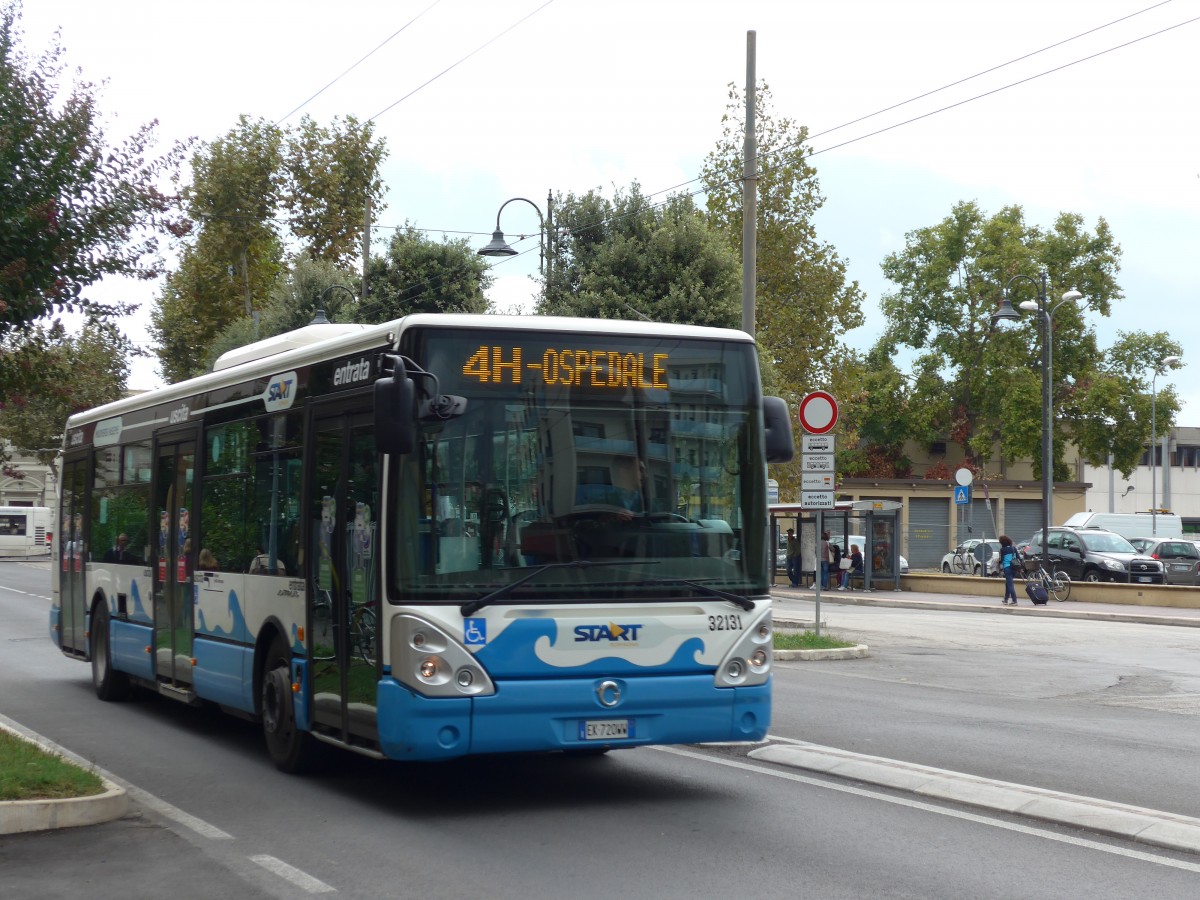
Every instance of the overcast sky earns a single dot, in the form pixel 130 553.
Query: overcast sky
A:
pixel 571 95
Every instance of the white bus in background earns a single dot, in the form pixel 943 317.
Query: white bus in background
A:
pixel 25 530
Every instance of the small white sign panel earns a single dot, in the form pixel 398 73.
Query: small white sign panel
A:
pixel 816 443
pixel 816 481
pixel 817 462
pixel 816 499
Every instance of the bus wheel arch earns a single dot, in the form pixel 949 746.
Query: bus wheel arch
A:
pixel 109 684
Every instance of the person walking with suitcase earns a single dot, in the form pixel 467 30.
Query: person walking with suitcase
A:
pixel 1009 560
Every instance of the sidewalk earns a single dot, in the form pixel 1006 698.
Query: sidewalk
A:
pixel 796 603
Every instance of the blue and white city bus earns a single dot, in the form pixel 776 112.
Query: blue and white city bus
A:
pixel 441 536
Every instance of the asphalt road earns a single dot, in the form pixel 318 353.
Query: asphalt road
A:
pixel 215 819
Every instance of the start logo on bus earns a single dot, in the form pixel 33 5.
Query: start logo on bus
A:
pixel 280 392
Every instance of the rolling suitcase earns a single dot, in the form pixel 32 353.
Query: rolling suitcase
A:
pixel 1037 594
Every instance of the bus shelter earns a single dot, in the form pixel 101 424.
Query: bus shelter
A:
pixel 872 525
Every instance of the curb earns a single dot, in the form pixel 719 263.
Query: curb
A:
pixel 858 651
pixel 20 816
pixel 1145 826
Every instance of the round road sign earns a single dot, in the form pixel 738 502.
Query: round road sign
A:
pixel 818 412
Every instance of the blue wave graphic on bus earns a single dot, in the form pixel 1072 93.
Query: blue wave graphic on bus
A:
pixel 513 653
pixel 239 631
pixel 139 612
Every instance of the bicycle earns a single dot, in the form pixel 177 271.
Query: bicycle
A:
pixel 1057 585
pixel 963 562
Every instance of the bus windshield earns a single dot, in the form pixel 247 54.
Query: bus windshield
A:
pixel 582 448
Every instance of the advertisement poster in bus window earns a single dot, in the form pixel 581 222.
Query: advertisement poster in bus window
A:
pixel 325 541
pixel 362 542
pixel 164 526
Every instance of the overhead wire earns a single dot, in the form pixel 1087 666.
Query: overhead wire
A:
pixel 764 157
pixel 357 64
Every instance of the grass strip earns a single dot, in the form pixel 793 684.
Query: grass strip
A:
pixel 808 640
pixel 27 772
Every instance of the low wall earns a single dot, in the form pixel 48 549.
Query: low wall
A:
pixel 1177 596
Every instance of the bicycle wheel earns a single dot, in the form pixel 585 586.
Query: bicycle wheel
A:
pixel 962 563
pixel 1059 586
pixel 363 628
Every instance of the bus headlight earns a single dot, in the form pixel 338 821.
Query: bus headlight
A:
pixel 429 661
pixel 748 661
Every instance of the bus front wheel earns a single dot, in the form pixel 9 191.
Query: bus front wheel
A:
pixel 291 749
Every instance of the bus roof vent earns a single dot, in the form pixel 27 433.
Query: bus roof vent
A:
pixel 281 343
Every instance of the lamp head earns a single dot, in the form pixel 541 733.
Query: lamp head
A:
pixel 1005 313
pixel 1072 295
pixel 497 246
pixel 1171 362
pixel 1029 305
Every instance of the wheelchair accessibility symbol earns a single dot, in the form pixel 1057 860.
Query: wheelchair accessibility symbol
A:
pixel 475 631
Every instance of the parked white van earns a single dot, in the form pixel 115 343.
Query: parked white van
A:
pixel 1130 525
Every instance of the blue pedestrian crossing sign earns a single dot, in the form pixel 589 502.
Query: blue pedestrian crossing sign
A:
pixel 962 494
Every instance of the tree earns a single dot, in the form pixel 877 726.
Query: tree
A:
pixel 235 250
pixel 417 274
pixel 79 372
pixel 980 386
pixel 292 303
pixel 332 177
pixel 255 191
pixel 73 207
pixel 629 259
pixel 804 305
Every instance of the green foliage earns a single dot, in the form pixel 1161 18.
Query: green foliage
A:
pixel 73 207
pixel 421 275
pixel 626 258
pixel 75 372
pixel 804 305
pixel 292 303
pixel 253 191
pixel 979 385
pixel 331 174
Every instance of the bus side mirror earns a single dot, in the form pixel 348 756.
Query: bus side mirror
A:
pixel 396 411
pixel 777 431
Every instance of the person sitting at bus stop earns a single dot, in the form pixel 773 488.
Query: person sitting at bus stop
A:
pixel 854 570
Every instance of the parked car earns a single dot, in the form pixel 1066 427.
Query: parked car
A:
pixel 1180 558
pixel 1140 544
pixel 960 566
pixel 1095 554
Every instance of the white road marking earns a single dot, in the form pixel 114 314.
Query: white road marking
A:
pixel 940 810
pixel 302 880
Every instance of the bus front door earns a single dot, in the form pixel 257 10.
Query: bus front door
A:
pixel 174 558
pixel 72 553
pixel 343 592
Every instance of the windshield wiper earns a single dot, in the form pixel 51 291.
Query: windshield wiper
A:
pixel 473 606
pixel 736 599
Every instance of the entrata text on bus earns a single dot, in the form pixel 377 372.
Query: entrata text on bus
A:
pixel 442 536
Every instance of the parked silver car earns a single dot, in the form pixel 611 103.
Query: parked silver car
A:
pixel 1180 558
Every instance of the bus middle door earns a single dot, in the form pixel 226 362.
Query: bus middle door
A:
pixel 174 559
pixel 343 502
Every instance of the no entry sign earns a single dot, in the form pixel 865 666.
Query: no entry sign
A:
pixel 818 412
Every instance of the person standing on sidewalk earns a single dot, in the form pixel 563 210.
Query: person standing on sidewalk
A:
pixel 793 558
pixel 826 559
pixel 1009 560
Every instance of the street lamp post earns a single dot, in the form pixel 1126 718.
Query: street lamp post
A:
pixel 1168 362
pixel 1046 320
pixel 498 246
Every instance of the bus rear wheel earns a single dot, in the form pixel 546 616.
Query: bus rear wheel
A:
pixel 110 685
pixel 290 749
